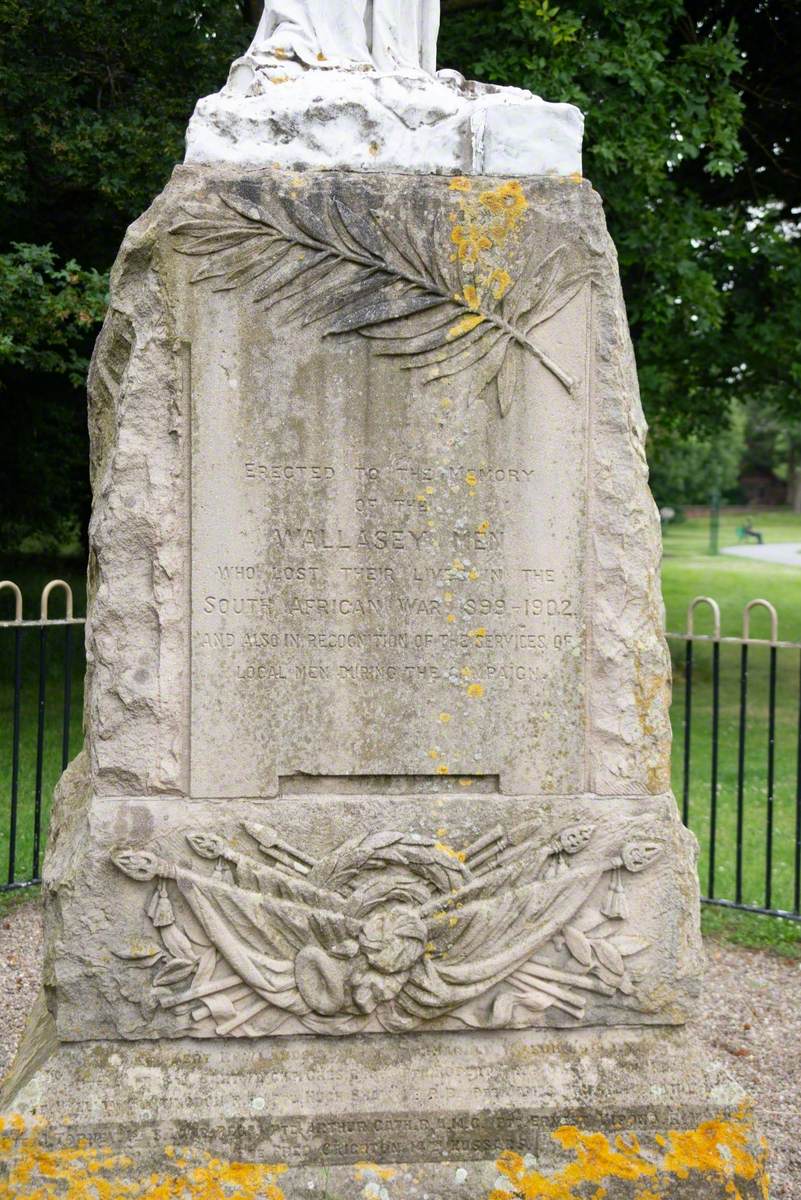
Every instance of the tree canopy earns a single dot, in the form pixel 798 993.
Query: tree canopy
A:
pixel 693 139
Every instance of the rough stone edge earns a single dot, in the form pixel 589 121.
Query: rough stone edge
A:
pixel 136 706
pixel 630 692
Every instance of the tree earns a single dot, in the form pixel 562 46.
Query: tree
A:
pixel 692 138
pixel 686 470
pixel 95 100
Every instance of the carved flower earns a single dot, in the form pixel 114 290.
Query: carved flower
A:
pixel 392 940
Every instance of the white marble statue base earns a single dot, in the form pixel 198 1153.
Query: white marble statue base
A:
pixel 363 120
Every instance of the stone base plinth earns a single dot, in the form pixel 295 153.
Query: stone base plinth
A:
pixel 615 1113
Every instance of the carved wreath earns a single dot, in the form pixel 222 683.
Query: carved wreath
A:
pixel 394 285
pixel 388 931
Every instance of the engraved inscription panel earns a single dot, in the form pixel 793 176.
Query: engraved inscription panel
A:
pixel 387 577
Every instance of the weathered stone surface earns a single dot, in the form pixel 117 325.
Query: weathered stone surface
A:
pixel 375 625
pixel 349 120
pixel 388 930
pixel 377 733
pixel 632 1113
pixel 539 538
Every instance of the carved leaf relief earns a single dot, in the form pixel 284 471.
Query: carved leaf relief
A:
pixel 426 297
pixel 387 931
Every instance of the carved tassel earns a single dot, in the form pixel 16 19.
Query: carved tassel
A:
pixel 160 909
pixel 616 905
pixel 222 872
pixel 556 866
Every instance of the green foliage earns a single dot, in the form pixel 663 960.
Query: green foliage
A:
pixel 96 97
pixel 677 146
pixel 692 139
pixel 95 101
pixel 752 932
pixel 47 312
pixel 686 469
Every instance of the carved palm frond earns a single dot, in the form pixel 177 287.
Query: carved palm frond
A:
pixel 356 273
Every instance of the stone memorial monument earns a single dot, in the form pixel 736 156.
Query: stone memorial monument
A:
pixel 369 881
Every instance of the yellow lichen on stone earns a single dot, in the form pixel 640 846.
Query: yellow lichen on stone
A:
pixel 716 1151
pixel 31 1171
pixel 470 242
pixel 507 204
pixel 465 325
pixel 499 282
pixel 444 848
pixel 716 1148
pixel 442 769
pixel 369 1168
pixel 461 184
pixel 649 701
pixel 470 297
pixel 482 225
pixel 475 691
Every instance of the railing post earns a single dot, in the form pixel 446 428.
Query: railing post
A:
pixel 690 635
pixel 15 728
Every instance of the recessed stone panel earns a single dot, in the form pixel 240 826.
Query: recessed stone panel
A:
pixel 388 572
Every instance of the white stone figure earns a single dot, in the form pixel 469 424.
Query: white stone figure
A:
pixel 353 85
pixel 389 35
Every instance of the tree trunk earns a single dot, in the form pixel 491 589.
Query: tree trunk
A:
pixel 794 477
pixel 252 10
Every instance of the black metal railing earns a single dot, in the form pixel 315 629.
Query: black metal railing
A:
pixel 741 792
pixel 737 753
pixel 34 675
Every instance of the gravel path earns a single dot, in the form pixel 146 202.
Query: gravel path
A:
pixel 786 553
pixel 20 972
pixel 751 1019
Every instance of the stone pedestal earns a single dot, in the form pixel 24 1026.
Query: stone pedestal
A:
pixel 616 1109
pixel 370 877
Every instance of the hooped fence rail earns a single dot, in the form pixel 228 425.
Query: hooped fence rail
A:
pixel 17 875
pixel 741 792
pixel 728 794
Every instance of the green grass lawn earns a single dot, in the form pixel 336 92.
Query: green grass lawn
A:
pixel 688 571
